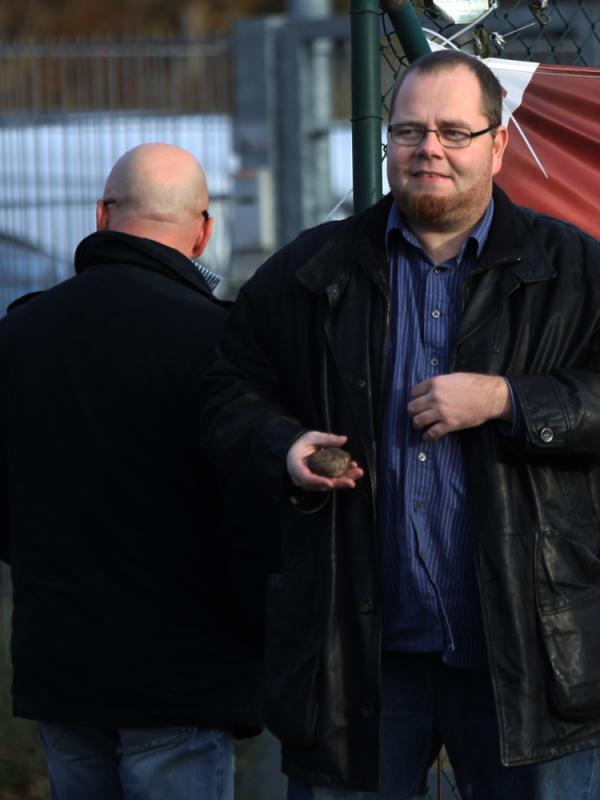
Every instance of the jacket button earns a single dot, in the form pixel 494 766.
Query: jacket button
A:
pixel 546 435
pixel 366 606
pixel 361 383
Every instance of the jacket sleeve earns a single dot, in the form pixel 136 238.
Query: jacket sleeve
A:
pixel 247 426
pixel 561 409
pixel 560 406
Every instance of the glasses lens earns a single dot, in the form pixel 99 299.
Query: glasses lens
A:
pixel 406 134
pixel 412 135
pixel 454 137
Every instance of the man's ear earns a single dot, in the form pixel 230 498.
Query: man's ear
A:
pixel 499 146
pixel 203 237
pixel 101 216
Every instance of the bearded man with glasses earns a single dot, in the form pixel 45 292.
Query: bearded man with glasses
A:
pixel 444 590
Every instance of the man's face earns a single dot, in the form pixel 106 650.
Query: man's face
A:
pixel 441 188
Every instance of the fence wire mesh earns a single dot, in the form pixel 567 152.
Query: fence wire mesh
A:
pixel 548 31
pixel 161 76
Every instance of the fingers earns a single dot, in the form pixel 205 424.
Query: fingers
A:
pixel 315 439
pixel 435 432
pixel 425 414
pixel 305 479
pixel 348 481
pixel 425 418
pixel 420 389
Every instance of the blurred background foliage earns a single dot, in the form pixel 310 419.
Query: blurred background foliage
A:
pixel 68 18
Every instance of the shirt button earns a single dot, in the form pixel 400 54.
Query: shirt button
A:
pixel 435 313
pixel 417 506
pixel 422 456
pixel 546 435
pixel 434 362
pixel 437 271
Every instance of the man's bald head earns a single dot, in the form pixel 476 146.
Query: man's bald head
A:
pixel 157 191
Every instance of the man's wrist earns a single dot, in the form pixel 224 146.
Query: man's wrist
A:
pixel 503 400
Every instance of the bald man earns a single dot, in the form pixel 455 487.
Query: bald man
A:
pixel 123 643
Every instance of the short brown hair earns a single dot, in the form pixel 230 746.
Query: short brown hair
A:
pixel 491 91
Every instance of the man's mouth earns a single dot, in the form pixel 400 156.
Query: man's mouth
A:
pixel 427 175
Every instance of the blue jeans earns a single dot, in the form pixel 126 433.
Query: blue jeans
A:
pixel 176 763
pixel 426 705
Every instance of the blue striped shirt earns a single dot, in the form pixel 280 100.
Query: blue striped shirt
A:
pixel 430 594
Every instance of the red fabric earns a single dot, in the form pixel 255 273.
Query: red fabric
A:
pixel 560 115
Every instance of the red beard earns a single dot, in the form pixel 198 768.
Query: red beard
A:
pixel 429 208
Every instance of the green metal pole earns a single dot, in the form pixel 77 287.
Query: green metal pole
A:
pixel 366 103
pixel 408 28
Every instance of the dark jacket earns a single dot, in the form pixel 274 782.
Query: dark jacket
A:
pixel 305 348
pixel 111 511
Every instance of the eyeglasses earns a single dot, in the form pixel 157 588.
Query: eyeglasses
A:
pixel 206 215
pixel 448 135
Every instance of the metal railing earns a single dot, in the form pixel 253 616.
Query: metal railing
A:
pixel 164 76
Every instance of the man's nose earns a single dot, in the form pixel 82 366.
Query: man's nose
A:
pixel 430 143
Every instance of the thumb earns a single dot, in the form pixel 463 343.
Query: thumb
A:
pixel 320 439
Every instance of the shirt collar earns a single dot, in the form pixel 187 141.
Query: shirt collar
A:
pixel 478 235
pixel 213 279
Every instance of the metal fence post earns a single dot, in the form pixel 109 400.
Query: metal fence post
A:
pixel 407 27
pixel 366 103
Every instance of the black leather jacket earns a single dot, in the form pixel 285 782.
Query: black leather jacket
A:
pixel 305 348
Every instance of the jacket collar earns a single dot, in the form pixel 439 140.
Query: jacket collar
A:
pixel 112 247
pixel 359 239
pixel 512 242
pixel 513 255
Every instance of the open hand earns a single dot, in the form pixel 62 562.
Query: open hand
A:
pixel 301 475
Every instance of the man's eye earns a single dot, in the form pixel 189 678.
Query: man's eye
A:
pixel 454 134
pixel 407 130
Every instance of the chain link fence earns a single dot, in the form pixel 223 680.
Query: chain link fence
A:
pixel 549 31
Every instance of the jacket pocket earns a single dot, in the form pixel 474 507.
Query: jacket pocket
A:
pixel 568 597
pixel 292 657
